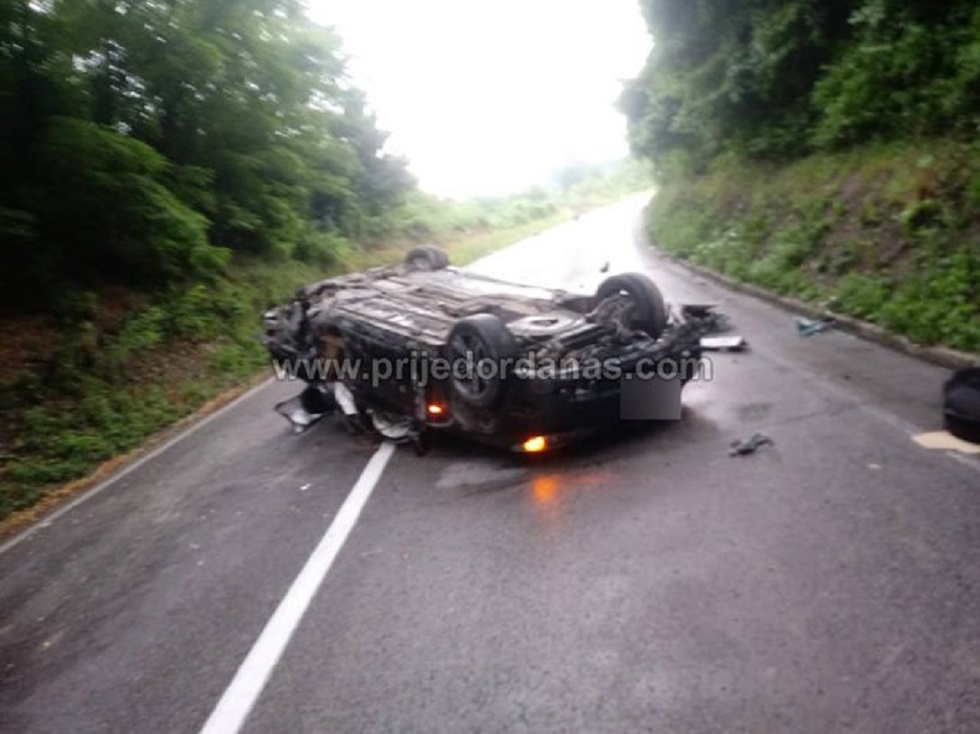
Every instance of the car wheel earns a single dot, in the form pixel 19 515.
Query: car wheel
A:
pixel 961 404
pixel 427 257
pixel 480 350
pixel 649 311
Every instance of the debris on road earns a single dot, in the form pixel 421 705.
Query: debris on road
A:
pixel 749 445
pixel 294 412
pixel 809 327
pixel 391 426
pixel 723 343
pixel 704 314
pixel 305 409
pixel 946 441
pixel 708 321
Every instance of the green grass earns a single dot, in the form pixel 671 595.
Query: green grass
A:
pixel 886 233
pixel 103 394
pixel 476 246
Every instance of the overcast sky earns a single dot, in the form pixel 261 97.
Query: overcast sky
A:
pixel 492 96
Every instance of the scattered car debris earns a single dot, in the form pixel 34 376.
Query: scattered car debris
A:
pixel 704 314
pixel 709 321
pixel 316 401
pixel 961 404
pixel 946 441
pixel 723 343
pixel 294 412
pixel 749 445
pixel 393 427
pixel 809 327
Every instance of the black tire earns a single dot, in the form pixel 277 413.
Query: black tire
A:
pixel 427 257
pixel 961 404
pixel 422 442
pixel 481 339
pixel 649 311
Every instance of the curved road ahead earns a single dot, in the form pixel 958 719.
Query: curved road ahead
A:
pixel 644 582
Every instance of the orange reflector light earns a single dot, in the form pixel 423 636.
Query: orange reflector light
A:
pixel 535 445
pixel 435 409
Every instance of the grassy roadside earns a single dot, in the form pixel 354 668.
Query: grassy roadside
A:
pixel 462 250
pixel 889 234
pixel 110 370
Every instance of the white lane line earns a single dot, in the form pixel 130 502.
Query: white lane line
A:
pixel 238 699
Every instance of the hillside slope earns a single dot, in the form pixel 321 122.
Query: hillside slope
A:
pixel 887 233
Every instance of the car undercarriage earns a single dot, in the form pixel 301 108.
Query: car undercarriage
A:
pixel 420 347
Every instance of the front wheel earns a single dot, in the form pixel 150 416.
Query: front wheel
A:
pixel 480 350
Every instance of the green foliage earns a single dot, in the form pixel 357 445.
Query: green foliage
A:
pixel 907 70
pixel 772 79
pixel 828 229
pixel 726 76
pixel 862 295
pixel 165 359
pixel 145 142
pixel 198 313
pixel 145 235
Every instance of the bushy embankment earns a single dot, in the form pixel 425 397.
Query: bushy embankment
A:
pixel 108 370
pixel 887 233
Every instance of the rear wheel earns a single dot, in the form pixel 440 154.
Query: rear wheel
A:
pixel 480 350
pixel 427 257
pixel 647 311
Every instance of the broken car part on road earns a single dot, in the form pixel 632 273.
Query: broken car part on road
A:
pixel 713 322
pixel 749 445
pixel 723 343
pixel 809 327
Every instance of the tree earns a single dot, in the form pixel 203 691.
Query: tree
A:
pixel 148 137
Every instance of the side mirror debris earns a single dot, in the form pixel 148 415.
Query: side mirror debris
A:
pixel 749 445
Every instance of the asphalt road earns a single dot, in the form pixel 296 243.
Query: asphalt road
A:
pixel 644 582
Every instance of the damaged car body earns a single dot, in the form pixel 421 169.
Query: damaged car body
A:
pixel 421 346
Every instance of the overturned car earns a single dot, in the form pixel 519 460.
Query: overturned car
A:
pixel 419 347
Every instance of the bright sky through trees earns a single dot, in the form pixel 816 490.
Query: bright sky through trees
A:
pixel 492 97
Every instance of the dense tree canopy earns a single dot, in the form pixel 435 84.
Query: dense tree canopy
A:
pixel 146 140
pixel 771 78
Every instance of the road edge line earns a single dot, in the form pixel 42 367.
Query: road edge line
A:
pixel 84 495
